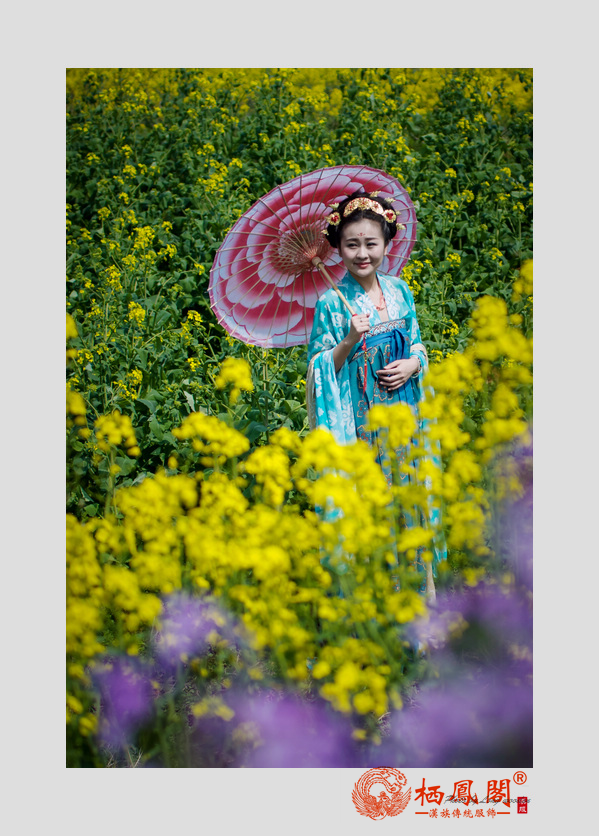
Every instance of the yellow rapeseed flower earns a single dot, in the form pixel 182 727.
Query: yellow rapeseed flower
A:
pixel 234 372
pixel 137 314
pixel 71 328
pixel 212 437
pixel 523 284
pixel 117 430
pixel 398 418
pixel 270 466
pixel 75 408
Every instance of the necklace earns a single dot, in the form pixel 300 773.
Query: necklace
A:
pixel 382 304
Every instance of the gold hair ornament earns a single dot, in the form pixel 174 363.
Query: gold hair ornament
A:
pixel 373 205
pixel 362 203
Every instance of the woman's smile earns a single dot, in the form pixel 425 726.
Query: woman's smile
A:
pixel 362 249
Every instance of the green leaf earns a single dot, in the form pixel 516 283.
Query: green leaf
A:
pixel 254 430
pixel 156 396
pixel 190 401
pixel 142 358
pixel 469 425
pixel 126 463
pixel 151 405
pixel 156 429
pixel 292 405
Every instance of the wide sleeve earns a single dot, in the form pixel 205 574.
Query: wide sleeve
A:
pixel 328 392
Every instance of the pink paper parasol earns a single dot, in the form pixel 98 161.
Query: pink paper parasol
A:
pixel 273 265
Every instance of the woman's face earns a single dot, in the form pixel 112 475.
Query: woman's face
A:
pixel 362 249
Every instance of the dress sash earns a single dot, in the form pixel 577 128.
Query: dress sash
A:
pixel 394 334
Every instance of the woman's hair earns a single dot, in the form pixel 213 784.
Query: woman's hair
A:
pixel 388 228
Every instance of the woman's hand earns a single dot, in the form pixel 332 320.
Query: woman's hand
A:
pixel 398 372
pixel 359 325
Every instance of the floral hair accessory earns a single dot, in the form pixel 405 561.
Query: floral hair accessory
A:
pixel 373 205
pixel 333 218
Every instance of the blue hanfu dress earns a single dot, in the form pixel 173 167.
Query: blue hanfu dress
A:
pixel 339 401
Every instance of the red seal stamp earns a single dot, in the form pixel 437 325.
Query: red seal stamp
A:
pixel 378 793
pixel 522 804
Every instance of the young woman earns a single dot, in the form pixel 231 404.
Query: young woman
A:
pixel 374 357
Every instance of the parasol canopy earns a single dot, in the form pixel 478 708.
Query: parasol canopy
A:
pixel 264 283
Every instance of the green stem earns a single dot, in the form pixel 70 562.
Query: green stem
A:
pixel 164 748
pixel 111 484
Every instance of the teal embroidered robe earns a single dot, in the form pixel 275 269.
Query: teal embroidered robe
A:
pixel 339 401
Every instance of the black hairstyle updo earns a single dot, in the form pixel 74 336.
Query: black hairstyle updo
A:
pixel 389 229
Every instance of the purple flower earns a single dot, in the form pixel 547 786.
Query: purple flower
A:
pixel 289 732
pixel 189 625
pixel 487 624
pixel 125 700
pixel 517 527
pixel 515 520
pixel 479 721
pixel 477 710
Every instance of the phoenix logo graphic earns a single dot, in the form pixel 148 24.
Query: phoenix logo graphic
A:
pixel 378 793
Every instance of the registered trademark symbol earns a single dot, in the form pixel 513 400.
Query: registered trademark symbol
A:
pixel 520 777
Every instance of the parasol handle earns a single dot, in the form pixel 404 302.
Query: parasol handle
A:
pixel 431 593
pixel 318 262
